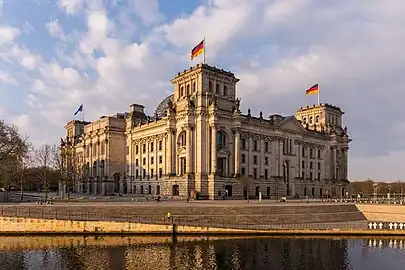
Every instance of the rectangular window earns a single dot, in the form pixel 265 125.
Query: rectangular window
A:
pixel 266 147
pixel 136 173
pixel 151 160
pixel 319 153
pixel 242 171
pixel 160 145
pixel 319 176
pixel 136 149
pixel 144 161
pixel 311 153
pixel 143 173
pixel 255 173
pixel 243 158
pixel 144 148
pixel 157 190
pixel 151 146
pixel 136 162
pixel 303 175
pixel 255 145
pixel 266 173
pixel 151 173
pixel 150 189
pixel 160 159
pixel 255 160
pixel 303 164
pixel 310 176
pixel 141 189
pixel 319 165
pixel 243 143
pixel 160 172
pixel 266 160
pixel 310 165
pixel 303 151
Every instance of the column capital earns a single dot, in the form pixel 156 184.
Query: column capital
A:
pixel 236 130
pixel 214 125
pixel 170 129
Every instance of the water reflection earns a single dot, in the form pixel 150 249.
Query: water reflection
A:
pixel 258 253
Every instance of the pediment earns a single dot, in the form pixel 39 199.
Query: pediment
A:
pixel 292 124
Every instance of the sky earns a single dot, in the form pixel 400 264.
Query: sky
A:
pixel 108 54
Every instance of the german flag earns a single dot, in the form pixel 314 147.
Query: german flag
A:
pixel 312 90
pixel 197 50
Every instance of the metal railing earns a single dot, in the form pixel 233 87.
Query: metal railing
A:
pixel 257 222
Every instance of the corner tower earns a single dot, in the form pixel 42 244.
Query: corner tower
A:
pixel 202 81
pixel 320 116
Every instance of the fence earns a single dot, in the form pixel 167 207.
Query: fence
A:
pixel 277 221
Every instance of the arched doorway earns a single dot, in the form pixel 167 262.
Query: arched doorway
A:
pixel 228 191
pixel 117 178
pixel 175 190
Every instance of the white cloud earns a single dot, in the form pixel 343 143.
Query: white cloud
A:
pixel 55 29
pixel 8 34
pixel 71 6
pixel 7 78
pixel 148 11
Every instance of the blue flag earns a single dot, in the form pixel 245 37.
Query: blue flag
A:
pixel 79 110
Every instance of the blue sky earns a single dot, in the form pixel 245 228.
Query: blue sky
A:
pixel 107 54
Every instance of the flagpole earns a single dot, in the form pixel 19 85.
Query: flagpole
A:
pixel 318 96
pixel 83 113
pixel 204 52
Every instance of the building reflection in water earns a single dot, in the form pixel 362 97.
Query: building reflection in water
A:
pixel 235 254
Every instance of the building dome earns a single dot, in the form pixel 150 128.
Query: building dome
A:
pixel 163 106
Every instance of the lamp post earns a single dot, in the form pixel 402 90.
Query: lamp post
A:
pixel 389 193
pixel 375 186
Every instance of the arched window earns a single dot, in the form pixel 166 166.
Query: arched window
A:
pixel 181 91
pixel 210 87
pixel 217 90
pixel 225 90
pixel 317 119
pixel 304 120
pixel 193 89
pixel 221 139
pixel 310 120
pixel 182 139
pixel 188 89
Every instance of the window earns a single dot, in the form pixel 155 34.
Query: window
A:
pixel 243 143
pixel 217 90
pixel 160 172
pixel 188 89
pixel 210 87
pixel 255 145
pixel 319 153
pixel 183 139
pixel 319 165
pixel 311 176
pixel 310 120
pixel 225 90
pixel 255 173
pixel 136 173
pixel 266 160
pixel 160 159
pixel 151 160
pixel 317 119
pixel 243 158
pixel 136 162
pixel 141 189
pixel 255 160
pixel 303 164
pixel 144 161
pixel 221 139
pixel 311 153
pixel 319 176
pixel 266 174
pixel 303 151
pixel 266 147
pixel 136 149
pixel 193 89
pixel 151 146
pixel 144 148
pixel 151 173
pixel 310 165
pixel 157 190
pixel 160 145
pixel 143 173
pixel 181 91
pixel 149 189
pixel 302 175
pixel 242 171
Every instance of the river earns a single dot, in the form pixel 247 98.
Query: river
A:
pixel 186 253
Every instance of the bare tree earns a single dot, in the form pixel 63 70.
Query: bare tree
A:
pixel 21 172
pixel 43 156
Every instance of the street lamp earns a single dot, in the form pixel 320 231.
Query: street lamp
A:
pixel 389 192
pixel 375 186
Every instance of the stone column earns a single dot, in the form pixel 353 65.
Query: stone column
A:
pixel 190 146
pixel 107 159
pixel 277 156
pixel 156 157
pixel 250 157
pixel 334 162
pixel 345 163
pixel 173 151
pixel 213 149
pixel 261 158
pixel 237 153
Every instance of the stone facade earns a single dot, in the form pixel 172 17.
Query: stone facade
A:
pixel 199 143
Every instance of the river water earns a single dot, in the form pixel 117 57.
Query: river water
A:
pixel 200 253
